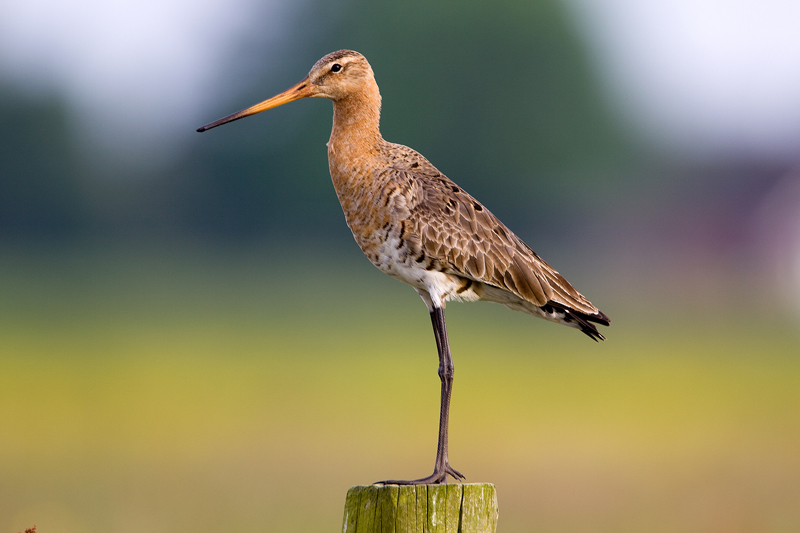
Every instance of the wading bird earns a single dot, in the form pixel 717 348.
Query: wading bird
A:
pixel 418 226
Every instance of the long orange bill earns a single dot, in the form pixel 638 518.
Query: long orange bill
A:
pixel 301 90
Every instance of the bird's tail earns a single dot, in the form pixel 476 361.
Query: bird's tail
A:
pixel 581 320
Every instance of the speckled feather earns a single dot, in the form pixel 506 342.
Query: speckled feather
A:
pixel 417 225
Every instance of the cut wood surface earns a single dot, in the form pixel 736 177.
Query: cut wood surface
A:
pixel 456 508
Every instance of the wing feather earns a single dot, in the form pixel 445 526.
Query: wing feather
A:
pixel 459 233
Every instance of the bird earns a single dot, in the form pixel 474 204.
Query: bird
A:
pixel 418 226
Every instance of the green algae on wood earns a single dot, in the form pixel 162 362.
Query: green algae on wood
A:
pixel 422 508
pixel 452 520
pixel 387 499
pixel 452 508
pixel 478 508
pixel 437 508
pixel 407 510
pixel 351 506
pixel 367 510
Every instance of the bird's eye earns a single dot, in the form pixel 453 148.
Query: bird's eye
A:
pixel 336 67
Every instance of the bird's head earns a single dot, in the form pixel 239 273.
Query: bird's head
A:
pixel 340 74
pixel 336 76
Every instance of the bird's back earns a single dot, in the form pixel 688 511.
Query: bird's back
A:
pixel 417 225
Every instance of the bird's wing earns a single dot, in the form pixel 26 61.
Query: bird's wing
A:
pixel 466 239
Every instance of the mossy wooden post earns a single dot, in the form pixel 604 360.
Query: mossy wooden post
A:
pixel 456 508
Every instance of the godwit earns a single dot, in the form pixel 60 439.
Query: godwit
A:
pixel 418 226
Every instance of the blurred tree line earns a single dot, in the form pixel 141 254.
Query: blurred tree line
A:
pixel 499 96
pixel 39 170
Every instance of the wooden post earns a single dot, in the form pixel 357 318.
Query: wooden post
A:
pixel 456 508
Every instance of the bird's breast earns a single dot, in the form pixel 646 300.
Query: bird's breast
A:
pixel 377 201
pixel 374 206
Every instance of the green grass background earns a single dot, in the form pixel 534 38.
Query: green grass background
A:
pixel 165 390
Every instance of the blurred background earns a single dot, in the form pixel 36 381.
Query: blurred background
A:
pixel 190 340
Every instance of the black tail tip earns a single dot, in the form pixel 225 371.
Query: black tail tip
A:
pixel 592 333
pixel 600 318
pixel 586 326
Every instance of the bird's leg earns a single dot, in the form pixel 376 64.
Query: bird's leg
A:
pixel 446 372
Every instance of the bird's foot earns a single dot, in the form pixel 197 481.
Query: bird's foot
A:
pixel 439 475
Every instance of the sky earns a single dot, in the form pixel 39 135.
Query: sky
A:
pixel 136 72
pixel 701 77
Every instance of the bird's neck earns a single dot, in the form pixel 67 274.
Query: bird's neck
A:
pixel 355 154
pixel 356 124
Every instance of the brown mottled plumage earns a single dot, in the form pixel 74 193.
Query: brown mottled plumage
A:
pixel 418 226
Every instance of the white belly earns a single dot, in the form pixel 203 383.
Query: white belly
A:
pixel 435 287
